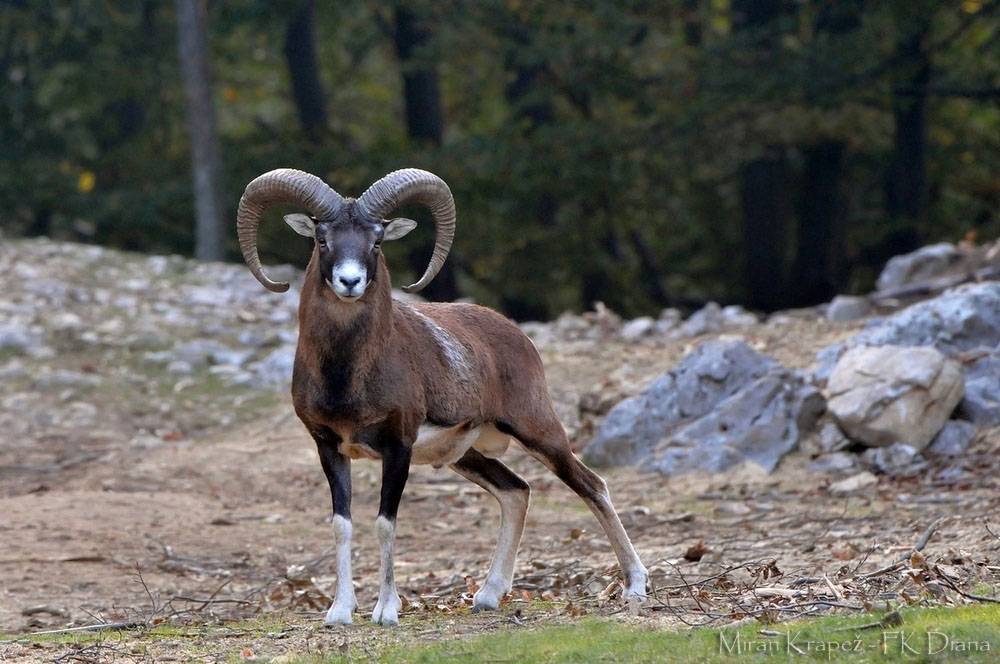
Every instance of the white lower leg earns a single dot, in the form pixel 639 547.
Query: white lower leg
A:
pixel 386 611
pixel 633 569
pixel 344 602
pixel 513 507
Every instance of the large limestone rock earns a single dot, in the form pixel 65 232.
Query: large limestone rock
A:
pixel 888 394
pixel 722 405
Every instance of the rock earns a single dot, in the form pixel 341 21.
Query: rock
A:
pixel 66 378
pixel 966 318
pixel 896 460
pixel 962 322
pixel 275 370
pixel 706 320
pixel 981 404
pixel 832 439
pixel 920 265
pixel 857 482
pixel 736 316
pixel 638 328
pixel 954 439
pixel 669 319
pixel 12 370
pixel 203 352
pixel 714 371
pixel 724 404
pixel 759 424
pixel 886 394
pixel 18 338
pixel 847 308
pixel 834 462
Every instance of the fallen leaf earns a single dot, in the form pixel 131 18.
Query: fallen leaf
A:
pixel 696 552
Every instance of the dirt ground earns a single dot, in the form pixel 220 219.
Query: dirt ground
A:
pixel 98 528
pixel 140 484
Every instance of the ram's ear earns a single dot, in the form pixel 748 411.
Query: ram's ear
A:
pixel 301 224
pixel 397 228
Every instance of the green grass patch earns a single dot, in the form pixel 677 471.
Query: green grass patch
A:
pixel 968 633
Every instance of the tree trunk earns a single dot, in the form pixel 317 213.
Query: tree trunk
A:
pixel 763 189
pixel 424 124
pixel 192 47
pixel 307 89
pixel 906 180
pixel 421 89
pixel 815 270
pixel 763 195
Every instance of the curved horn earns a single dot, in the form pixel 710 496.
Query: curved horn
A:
pixel 412 185
pixel 282 185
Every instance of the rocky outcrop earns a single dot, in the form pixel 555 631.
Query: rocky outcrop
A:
pixel 888 394
pixel 724 404
pixel 963 323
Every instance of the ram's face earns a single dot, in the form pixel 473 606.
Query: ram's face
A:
pixel 349 246
pixel 348 255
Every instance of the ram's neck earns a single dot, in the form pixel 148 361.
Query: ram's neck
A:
pixel 346 332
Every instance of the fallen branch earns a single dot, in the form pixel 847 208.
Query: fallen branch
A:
pixel 919 546
pixel 91 628
pixel 976 598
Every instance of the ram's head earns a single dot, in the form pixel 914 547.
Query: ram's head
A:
pixel 348 232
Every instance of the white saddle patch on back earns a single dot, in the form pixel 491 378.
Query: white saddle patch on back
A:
pixel 454 352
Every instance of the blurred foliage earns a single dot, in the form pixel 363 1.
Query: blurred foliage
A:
pixel 594 147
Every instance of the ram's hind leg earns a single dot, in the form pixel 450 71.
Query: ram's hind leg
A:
pixel 512 493
pixel 544 438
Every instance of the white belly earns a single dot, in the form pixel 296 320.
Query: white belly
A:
pixel 443 446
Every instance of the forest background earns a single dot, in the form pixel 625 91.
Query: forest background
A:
pixel 644 154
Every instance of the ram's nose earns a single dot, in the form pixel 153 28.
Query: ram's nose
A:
pixel 349 282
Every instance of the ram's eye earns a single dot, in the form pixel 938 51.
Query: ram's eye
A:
pixel 321 241
pixel 377 247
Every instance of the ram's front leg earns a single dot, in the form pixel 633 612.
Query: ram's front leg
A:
pixel 395 470
pixel 337 468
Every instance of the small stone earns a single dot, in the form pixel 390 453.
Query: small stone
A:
pixel 637 328
pixel 706 320
pixel 857 482
pixel 832 439
pixel 670 318
pixel 275 370
pixel 16 337
pixel 896 460
pixel 180 367
pixel 954 439
pixel 736 316
pixel 848 307
pixel 66 378
pixel 835 462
